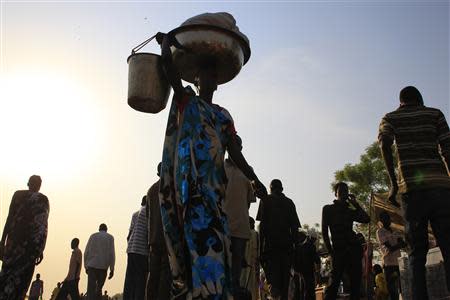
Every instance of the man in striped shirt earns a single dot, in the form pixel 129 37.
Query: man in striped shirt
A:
pixel 137 267
pixel 422 140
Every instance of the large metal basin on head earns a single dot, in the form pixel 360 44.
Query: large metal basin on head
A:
pixel 205 42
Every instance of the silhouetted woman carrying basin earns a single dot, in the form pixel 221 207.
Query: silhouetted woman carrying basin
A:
pixel 193 183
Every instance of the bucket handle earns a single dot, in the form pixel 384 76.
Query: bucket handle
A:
pixel 141 45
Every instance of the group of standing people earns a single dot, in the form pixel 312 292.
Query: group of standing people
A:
pixel 99 256
pixel 193 194
pixel 346 248
pixel 276 240
pixel 22 246
pixel 148 271
pixel 422 139
pixel 192 230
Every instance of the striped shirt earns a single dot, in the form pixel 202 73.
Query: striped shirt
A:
pixel 138 242
pixel 422 138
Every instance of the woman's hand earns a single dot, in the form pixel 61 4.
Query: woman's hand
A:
pixel 164 41
pixel 160 37
pixel 171 40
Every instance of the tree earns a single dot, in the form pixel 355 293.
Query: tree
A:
pixel 365 177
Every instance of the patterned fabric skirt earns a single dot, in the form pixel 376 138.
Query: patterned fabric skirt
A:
pixel 16 278
pixel 192 191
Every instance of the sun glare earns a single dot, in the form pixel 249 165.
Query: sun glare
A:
pixel 47 124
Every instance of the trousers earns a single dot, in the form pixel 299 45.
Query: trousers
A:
pixel 420 208
pixel 392 274
pixel 347 260
pixel 278 272
pixel 237 261
pixel 96 280
pixel 135 277
pixel 69 288
pixel 159 277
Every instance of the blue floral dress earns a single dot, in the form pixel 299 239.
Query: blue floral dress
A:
pixel 192 191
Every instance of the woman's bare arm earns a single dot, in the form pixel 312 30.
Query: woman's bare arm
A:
pixel 238 158
pixel 172 74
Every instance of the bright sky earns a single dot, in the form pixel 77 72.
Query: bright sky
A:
pixel 321 75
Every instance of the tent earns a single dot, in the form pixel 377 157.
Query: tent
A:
pixel 379 203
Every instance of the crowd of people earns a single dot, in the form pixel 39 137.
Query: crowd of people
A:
pixel 193 238
pixel 22 247
pixel 148 269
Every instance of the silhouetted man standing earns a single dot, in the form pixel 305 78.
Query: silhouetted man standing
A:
pixel 70 284
pixel 422 139
pixel 99 255
pixel 279 225
pixel 346 249
pixel 306 261
pixel 159 279
pixel 250 276
pixel 37 288
pixel 137 252
pixel 23 239
pixel 238 197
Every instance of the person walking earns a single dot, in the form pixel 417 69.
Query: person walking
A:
pixel 307 259
pixel 137 252
pixel 106 296
pixel 250 277
pixel 279 226
pixel 56 291
pixel 99 255
pixel 381 289
pixel 390 244
pixel 70 283
pixel 346 249
pixel 158 281
pixel 193 182
pixel 37 288
pixel 422 140
pixel 239 195
pixel 23 239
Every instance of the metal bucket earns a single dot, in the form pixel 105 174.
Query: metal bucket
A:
pixel 148 88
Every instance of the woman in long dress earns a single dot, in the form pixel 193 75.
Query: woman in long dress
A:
pixel 193 183
pixel 23 240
